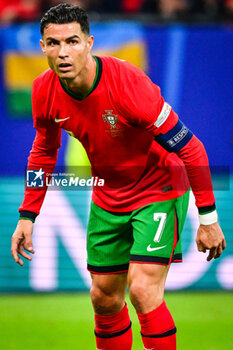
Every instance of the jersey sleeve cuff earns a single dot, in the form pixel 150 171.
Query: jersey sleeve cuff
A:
pixel 207 209
pixel 27 215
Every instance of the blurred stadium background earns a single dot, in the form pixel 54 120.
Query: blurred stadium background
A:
pixel 186 47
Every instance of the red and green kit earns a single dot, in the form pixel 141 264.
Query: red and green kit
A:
pixel 137 144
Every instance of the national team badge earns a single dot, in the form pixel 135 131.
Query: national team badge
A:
pixel 111 119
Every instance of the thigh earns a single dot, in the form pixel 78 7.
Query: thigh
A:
pixel 148 274
pixel 157 232
pixel 109 240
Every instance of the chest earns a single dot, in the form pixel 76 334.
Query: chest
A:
pixel 99 125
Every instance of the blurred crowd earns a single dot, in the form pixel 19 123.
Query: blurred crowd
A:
pixel 30 10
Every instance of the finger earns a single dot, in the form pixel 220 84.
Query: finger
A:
pixel 224 244
pixel 212 253
pixel 201 247
pixel 14 250
pixel 28 244
pixel 29 249
pixel 24 254
pixel 20 262
pixel 218 252
pixel 16 257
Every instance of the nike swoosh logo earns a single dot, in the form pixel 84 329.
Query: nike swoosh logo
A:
pixel 60 120
pixel 149 249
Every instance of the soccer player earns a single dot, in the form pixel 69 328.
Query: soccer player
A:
pixel 148 159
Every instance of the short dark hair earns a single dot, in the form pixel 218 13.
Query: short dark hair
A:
pixel 65 13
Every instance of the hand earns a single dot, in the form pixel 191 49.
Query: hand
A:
pixel 210 237
pixel 22 239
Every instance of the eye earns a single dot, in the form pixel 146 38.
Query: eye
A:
pixel 52 43
pixel 73 42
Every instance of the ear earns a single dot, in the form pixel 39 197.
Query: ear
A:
pixel 42 45
pixel 90 42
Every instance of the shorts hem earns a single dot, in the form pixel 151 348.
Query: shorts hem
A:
pixel 146 259
pixel 107 270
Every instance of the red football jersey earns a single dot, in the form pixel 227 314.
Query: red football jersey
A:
pixel 116 123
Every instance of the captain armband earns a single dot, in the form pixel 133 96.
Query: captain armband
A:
pixel 176 138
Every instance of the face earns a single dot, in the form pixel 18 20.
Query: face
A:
pixel 66 48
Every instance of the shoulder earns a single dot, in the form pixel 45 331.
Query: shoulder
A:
pixel 42 89
pixel 42 82
pixel 120 66
pixel 129 76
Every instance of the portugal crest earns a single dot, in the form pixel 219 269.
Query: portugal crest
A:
pixel 111 119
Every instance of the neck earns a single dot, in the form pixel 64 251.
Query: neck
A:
pixel 84 80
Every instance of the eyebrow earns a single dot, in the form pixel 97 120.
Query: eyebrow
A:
pixel 67 39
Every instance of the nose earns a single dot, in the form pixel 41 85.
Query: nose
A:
pixel 63 51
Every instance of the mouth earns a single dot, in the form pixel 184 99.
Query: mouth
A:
pixel 64 67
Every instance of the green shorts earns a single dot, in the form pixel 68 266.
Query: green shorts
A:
pixel 151 234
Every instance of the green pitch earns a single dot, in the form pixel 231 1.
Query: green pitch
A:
pixel 65 322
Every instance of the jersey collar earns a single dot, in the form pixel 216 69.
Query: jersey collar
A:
pixel 99 68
